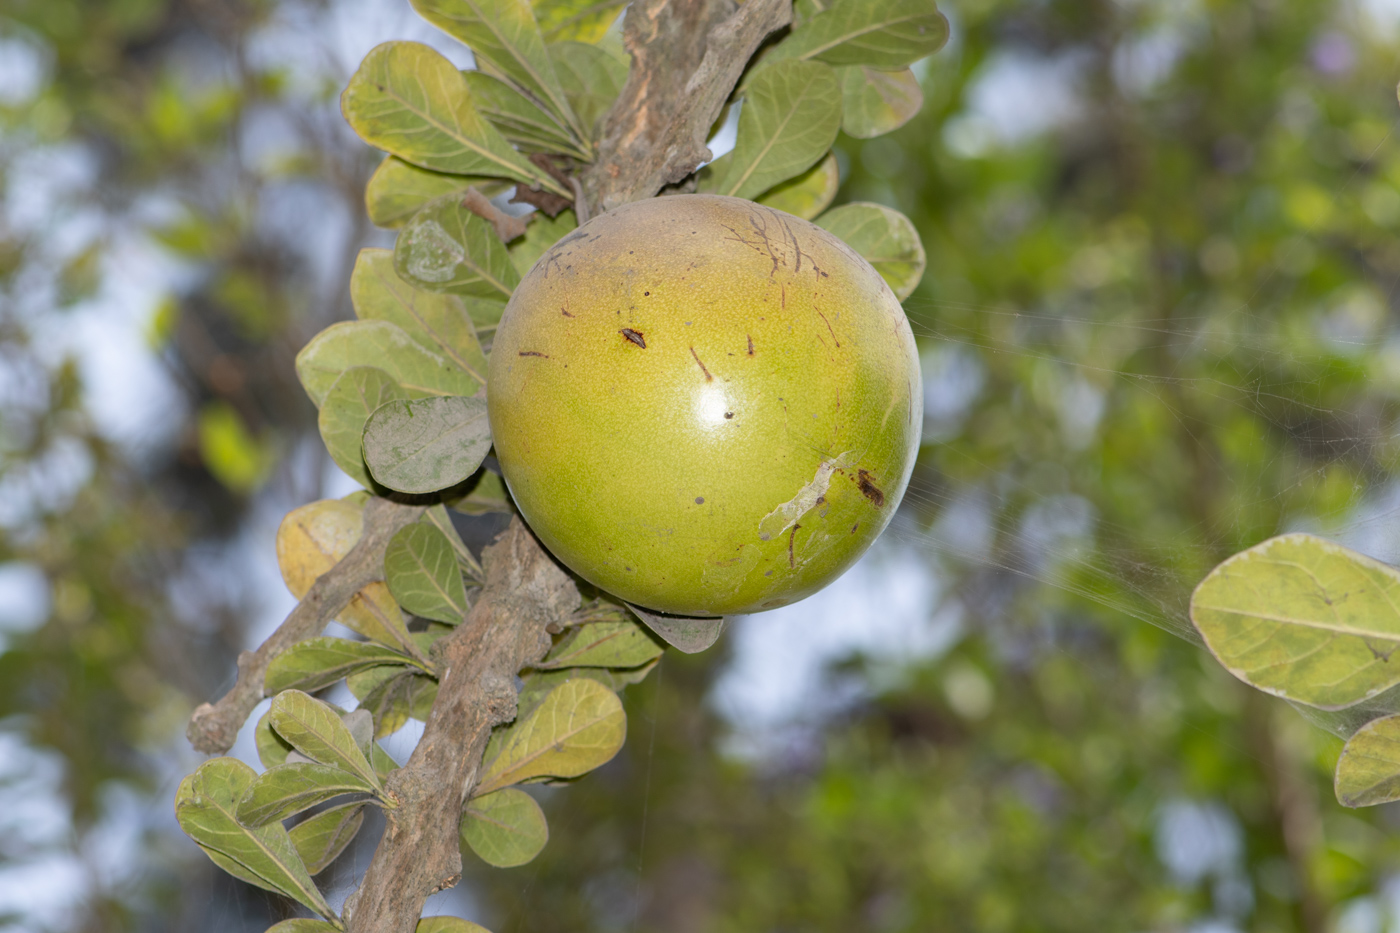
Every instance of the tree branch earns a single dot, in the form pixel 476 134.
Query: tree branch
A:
pixel 507 629
pixel 655 133
pixel 213 727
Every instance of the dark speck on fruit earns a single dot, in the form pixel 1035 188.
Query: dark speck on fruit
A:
pixel 730 414
pixel 699 500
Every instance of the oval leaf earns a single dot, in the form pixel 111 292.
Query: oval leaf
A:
pixel 319 662
pixel 519 118
pixel 439 323
pixel 427 444
pixel 315 730
pixel 1304 619
pixel 272 748
pixel 505 829
pixel 265 857
pixel 320 838
pixel 407 99
pixel 383 692
pixel 418 370
pixel 303 925
pixel 448 925
pixel 685 633
pixel 882 33
pixel 579 726
pixel 604 644
pixel 279 792
pixel 311 540
pixel 506 42
pixel 790 118
pixel 876 102
pixel 885 238
pixel 592 79
pixel 581 20
pixel 447 248
pixel 349 402
pixel 421 570
pixel 808 194
pixel 398 189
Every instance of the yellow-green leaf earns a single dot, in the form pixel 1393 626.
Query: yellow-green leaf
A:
pixel 422 572
pixel 320 838
pixel 319 662
pixel 419 371
pixel 1304 619
pixel 424 445
pixel 583 20
pixel 506 41
pixel 447 248
pixel 519 118
pixel 408 100
pixel 604 644
pixel 438 322
pixel 398 189
pixel 448 925
pixel 808 194
pixel 885 238
pixel 289 788
pixel 265 857
pixel 790 118
pixel 505 829
pixel 317 732
pixel 348 403
pixel 592 79
pixel 882 33
pixel 579 726
pixel 875 102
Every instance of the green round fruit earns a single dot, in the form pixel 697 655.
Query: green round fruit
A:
pixel 705 406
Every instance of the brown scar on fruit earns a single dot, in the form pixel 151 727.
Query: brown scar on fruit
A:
pixel 533 353
pixel 634 336
pixel 791 538
pixel 828 328
pixel 750 344
pixel 869 489
pixel 708 377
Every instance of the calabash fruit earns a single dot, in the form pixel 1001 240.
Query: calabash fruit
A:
pixel 705 406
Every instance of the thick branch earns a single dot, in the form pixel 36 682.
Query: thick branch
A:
pixel 526 594
pixel 655 132
pixel 213 727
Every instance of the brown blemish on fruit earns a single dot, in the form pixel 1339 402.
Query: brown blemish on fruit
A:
pixel 821 499
pixel 634 336
pixel 699 500
pixel 750 345
pixel 854 527
pixel 708 377
pixel 829 330
pixel 533 353
pixel 729 414
pixel 791 538
pixel 869 489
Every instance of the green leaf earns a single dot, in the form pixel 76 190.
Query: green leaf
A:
pixel 421 570
pixel 685 633
pixel 349 402
pixel 876 102
pixel 579 726
pixel 425 445
pixel 604 644
pixel 398 189
pixel 319 662
pixel 320 838
pixel 272 748
pixel 437 517
pixel 484 493
pixel 885 238
pixel 542 233
pixel 790 118
pixel 447 248
pixel 265 857
pixel 418 371
pixel 317 732
pixel 384 763
pixel 439 323
pixel 506 42
pixel 448 925
pixel 882 33
pixel 592 79
pixel 410 101
pixel 1303 619
pixel 303 925
pixel 519 118
pixel 808 194
pixel 505 829
pixel 289 788
pixel 384 693
pixel 582 20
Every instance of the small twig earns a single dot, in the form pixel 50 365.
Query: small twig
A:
pixel 214 726
pixel 507 629
pixel 654 134
pixel 508 226
pixel 580 202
